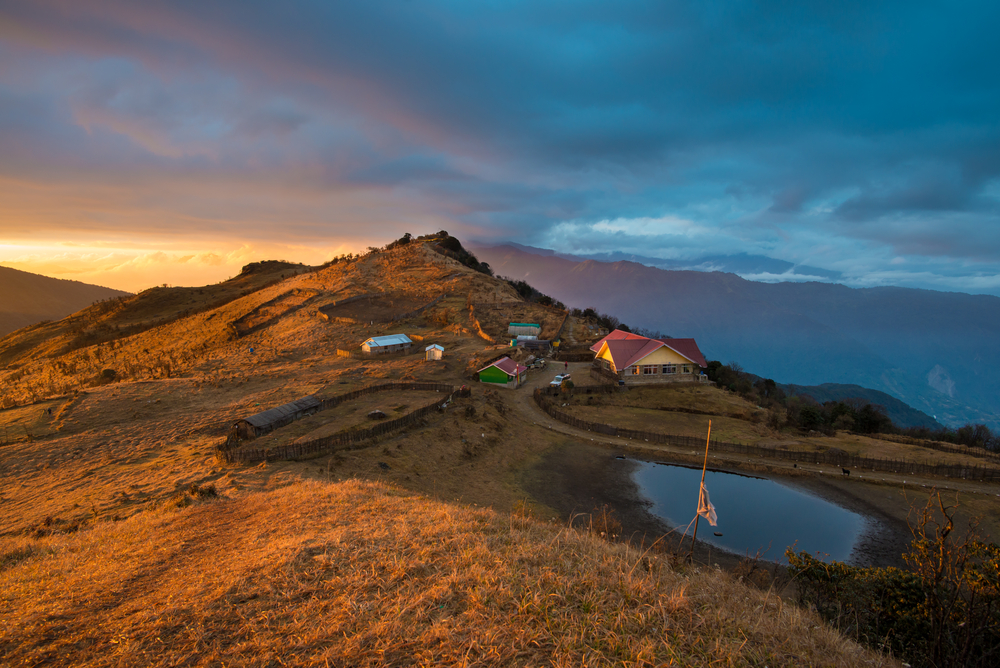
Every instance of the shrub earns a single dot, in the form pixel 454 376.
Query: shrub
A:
pixel 945 612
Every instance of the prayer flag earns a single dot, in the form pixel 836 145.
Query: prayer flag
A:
pixel 705 507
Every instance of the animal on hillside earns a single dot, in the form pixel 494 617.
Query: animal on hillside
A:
pixel 846 471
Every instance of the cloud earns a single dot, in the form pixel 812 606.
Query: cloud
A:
pixel 838 135
pixel 135 268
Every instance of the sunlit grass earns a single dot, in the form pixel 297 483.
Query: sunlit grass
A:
pixel 363 574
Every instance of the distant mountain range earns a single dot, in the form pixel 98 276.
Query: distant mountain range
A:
pixel 740 263
pixel 935 351
pixel 27 298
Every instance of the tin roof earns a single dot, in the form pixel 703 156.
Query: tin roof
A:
pixel 389 340
pixel 434 346
pixel 524 324
pixel 273 415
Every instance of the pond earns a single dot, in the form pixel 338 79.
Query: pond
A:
pixel 754 514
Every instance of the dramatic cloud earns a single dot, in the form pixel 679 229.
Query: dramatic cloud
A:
pixel 854 137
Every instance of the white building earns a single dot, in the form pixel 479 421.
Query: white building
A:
pixel 387 344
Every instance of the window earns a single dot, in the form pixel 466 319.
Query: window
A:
pixel 669 368
pixel 634 370
pixel 687 368
pixel 649 369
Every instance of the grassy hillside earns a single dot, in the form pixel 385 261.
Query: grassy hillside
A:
pixel 27 298
pixel 124 540
pixel 364 574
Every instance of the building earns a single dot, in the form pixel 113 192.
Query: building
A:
pixel 637 360
pixel 273 418
pixel 525 328
pixel 535 345
pixel 392 343
pixel 504 371
pixel 433 352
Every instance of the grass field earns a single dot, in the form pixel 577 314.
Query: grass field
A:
pixel 365 574
pixel 660 409
pixel 123 541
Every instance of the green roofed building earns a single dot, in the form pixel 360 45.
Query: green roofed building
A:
pixel 505 372
pixel 525 328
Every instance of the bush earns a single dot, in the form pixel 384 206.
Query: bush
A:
pixel 945 612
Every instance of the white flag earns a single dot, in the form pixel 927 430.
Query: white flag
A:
pixel 705 507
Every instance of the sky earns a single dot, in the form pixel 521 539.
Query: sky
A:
pixel 144 143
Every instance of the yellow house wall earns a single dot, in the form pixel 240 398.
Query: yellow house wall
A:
pixel 660 356
pixel 605 354
pixel 666 356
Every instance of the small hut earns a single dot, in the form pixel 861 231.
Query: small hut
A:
pixel 433 352
pixel 392 343
pixel 273 418
pixel 504 371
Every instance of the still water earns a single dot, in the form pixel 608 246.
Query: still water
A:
pixel 754 513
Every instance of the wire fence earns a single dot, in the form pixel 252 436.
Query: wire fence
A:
pixel 841 459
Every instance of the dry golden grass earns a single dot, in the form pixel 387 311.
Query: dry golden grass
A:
pixel 360 574
pixel 495 317
pixel 736 420
pixel 100 565
pixel 683 424
pixel 39 365
pixel 689 396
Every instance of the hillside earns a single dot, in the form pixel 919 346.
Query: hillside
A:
pixel 26 298
pixel 423 544
pixel 934 351
pixel 900 413
pixel 365 574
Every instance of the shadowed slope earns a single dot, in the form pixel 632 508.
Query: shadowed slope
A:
pixel 27 298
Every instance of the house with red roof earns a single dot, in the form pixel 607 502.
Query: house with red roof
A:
pixel 505 372
pixel 637 360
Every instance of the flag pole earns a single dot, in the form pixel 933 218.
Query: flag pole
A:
pixel 703 467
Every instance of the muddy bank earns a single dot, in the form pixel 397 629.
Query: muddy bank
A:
pixel 576 479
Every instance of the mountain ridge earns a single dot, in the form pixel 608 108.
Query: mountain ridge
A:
pixel 27 298
pixel 929 349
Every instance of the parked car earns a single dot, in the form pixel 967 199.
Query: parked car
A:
pixel 560 379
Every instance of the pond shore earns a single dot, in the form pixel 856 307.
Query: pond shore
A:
pixel 577 479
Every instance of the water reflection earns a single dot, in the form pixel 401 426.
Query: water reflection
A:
pixel 754 513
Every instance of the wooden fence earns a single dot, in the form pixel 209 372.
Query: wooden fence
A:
pixel 956 449
pixel 602 375
pixel 843 460
pixel 231 453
